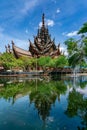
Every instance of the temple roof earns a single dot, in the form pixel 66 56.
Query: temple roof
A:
pixel 20 52
pixel 43 44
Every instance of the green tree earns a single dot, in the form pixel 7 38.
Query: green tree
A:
pixel 83 29
pixel 76 51
pixel 52 63
pixel 44 61
pixel 71 44
pixel 8 60
pixel 25 62
pixel 61 61
pixel 20 63
pixel 76 59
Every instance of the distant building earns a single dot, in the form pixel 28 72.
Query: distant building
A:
pixel 43 45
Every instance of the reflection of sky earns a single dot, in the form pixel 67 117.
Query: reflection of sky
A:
pixel 76 85
pixel 82 91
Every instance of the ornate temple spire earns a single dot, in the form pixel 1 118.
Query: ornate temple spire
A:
pixel 12 42
pixel 43 20
pixel 6 48
pixel 43 45
pixel 38 32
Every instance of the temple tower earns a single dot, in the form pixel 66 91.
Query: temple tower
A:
pixel 43 44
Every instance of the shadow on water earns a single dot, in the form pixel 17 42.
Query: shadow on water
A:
pixel 45 92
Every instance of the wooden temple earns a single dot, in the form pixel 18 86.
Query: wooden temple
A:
pixel 43 45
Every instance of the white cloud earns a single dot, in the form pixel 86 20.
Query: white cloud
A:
pixel 28 5
pixel 71 34
pixel 48 22
pixel 58 10
pixel 64 50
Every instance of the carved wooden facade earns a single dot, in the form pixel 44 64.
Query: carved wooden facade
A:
pixel 43 45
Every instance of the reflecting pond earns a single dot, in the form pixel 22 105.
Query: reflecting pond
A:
pixel 43 103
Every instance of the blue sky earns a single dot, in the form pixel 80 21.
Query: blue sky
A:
pixel 19 20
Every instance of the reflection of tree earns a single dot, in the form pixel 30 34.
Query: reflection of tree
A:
pixel 56 77
pixel 45 96
pixel 3 81
pixel 83 84
pixel 77 106
pixel 43 102
pixel 12 91
pixel 60 88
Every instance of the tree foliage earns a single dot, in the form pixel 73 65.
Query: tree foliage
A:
pixel 83 29
pixel 71 44
pixel 61 61
pixel 44 61
pixel 77 49
pixel 8 60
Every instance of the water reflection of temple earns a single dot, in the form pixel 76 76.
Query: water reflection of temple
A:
pixel 43 95
pixel 43 45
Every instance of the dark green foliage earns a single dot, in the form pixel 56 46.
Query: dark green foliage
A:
pixel 84 40
pixel 77 106
pixel 83 29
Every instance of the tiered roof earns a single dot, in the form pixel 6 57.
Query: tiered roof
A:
pixel 18 52
pixel 43 45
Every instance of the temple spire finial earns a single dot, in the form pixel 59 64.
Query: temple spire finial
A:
pixel 43 20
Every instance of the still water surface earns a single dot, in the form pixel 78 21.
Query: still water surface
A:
pixel 43 103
